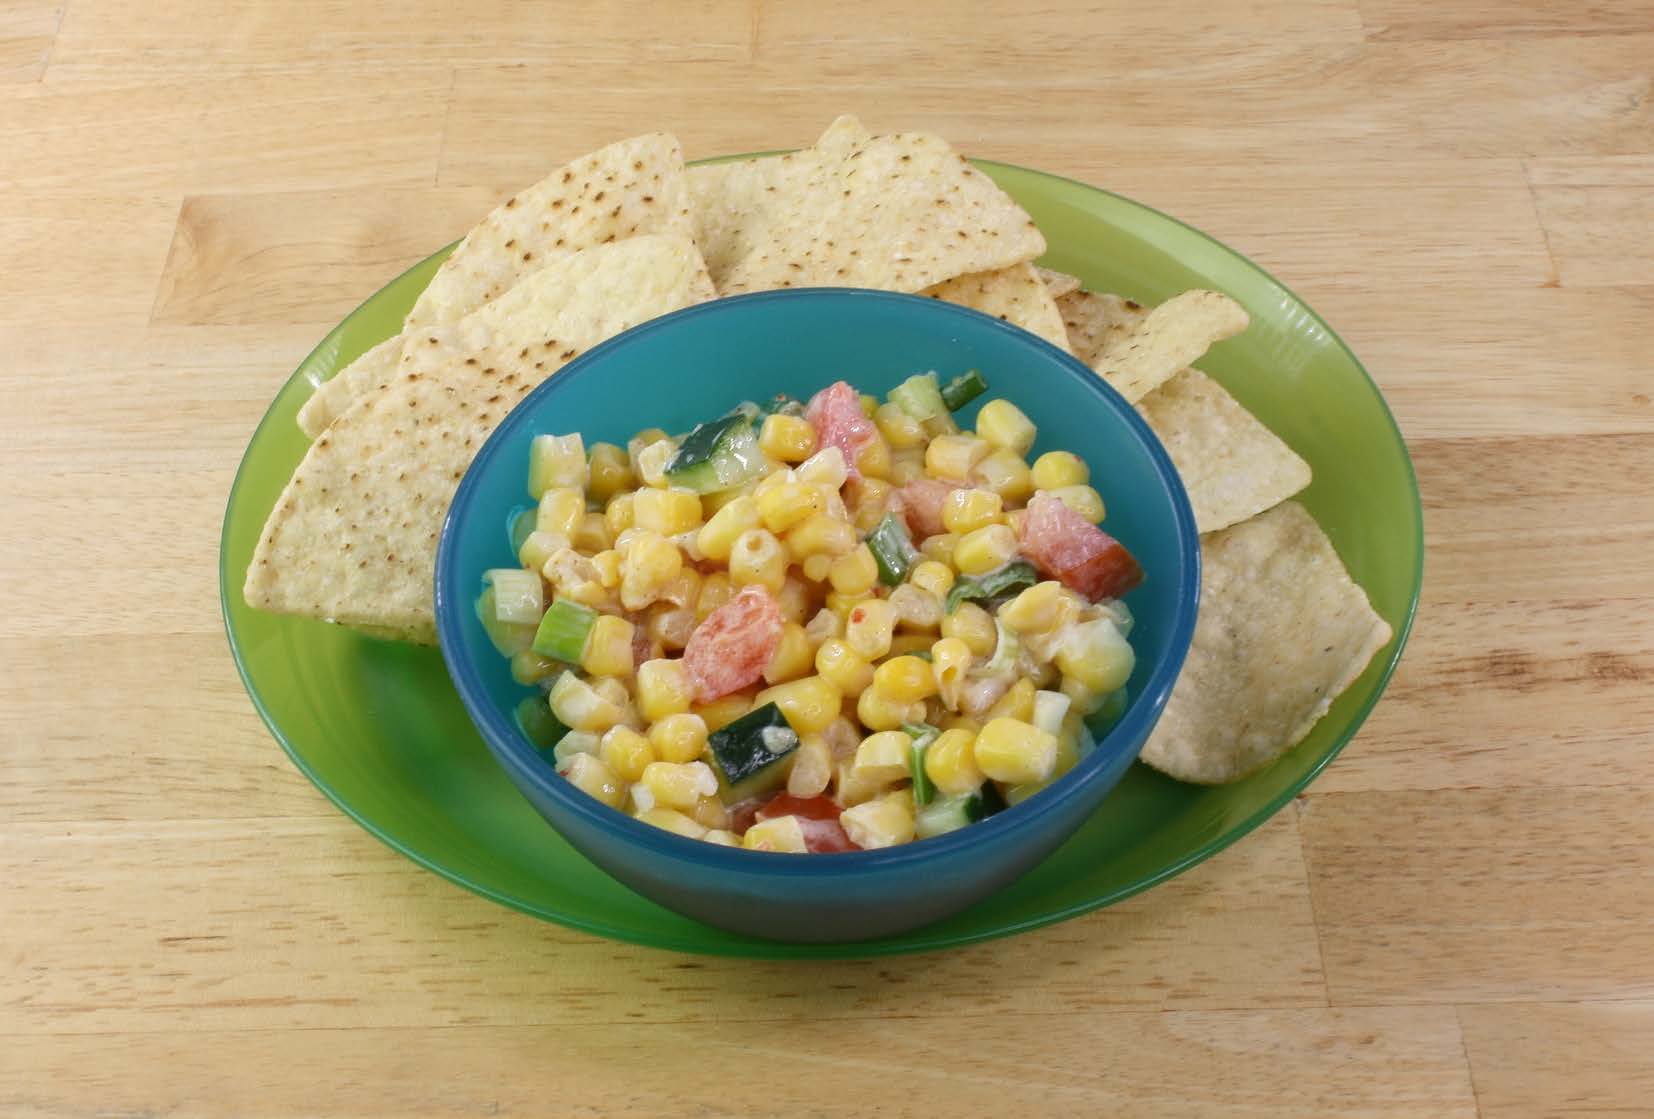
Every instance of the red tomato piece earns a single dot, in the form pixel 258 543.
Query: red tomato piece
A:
pixel 835 412
pixel 817 817
pixel 922 501
pixel 731 646
pixel 1067 547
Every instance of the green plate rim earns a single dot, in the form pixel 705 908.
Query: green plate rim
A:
pixel 916 941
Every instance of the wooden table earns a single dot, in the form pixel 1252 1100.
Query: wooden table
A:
pixel 1457 919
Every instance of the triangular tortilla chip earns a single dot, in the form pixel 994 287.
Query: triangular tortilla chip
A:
pixel 336 394
pixel 1057 283
pixel 1015 294
pixel 1095 319
pixel 1282 631
pixel 898 212
pixel 1171 336
pixel 1232 465
pixel 623 190
pixel 353 537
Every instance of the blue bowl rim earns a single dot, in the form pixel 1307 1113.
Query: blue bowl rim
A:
pixel 505 740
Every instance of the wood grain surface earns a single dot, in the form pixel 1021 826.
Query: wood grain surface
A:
pixel 1457 919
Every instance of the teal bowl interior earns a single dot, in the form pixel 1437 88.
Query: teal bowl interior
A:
pixel 696 364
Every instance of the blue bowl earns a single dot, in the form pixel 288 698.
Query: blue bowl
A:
pixel 689 366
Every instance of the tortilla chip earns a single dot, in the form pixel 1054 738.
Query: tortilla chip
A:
pixel 898 212
pixel 1057 283
pixel 1015 294
pixel 1232 465
pixel 843 135
pixel 353 537
pixel 629 188
pixel 1282 631
pixel 1171 336
pixel 1095 319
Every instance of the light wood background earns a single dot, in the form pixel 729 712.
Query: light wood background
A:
pixel 1457 920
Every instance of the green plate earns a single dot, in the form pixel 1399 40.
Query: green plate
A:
pixel 380 730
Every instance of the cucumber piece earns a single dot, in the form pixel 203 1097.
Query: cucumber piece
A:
pixel 556 460
pixel 718 455
pixel 919 397
pixel 519 596
pixel 1014 575
pixel 754 754
pixel 963 389
pixel 892 550
pixel 537 723
pixel 564 630
pixel 509 638
pixel 521 524
pixel 946 814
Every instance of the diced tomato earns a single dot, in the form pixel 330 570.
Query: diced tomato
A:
pixel 1066 546
pixel 817 816
pixel 731 646
pixel 835 412
pixel 922 501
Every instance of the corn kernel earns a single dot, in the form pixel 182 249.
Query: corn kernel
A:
pixel 815 567
pixel 1005 473
pixel 722 838
pixel 849 788
pixel 779 833
pixel 611 472
pixel 966 510
pixel 869 404
pixel 820 534
pixel 587 773
pixel 648 563
pixel 909 644
pixel 1056 469
pixel 679 737
pixel 917 610
pixel 529 667
pixel 788 438
pixel 719 713
pixel 538 547
pixel 847 670
pixel 878 711
pixel 875 460
pixel 883 822
pixel 906 466
pixel 822 625
pixel 884 756
pixel 869 501
pixel 939 547
pixel 954 456
pixel 712 813
pixel 626 752
pixel 560 512
pixel 618 514
pixel 985 549
pixel 675 822
pixel 950 660
pixel 579 706
pixel 899 429
pixel 609 648
pixel 1016 703
pixel 556 460
pixel 674 784
pixel 635 445
pixel 758 559
pixel 855 572
pixel 663 688
pixel 793 657
pixel 928 575
pixel 782 506
pixel 1015 751
pixel 842 604
pixel 950 762
pixel 1039 609
pixel 652 461
pixel 904 680
pixel 974 626
pixel 1084 500
pixel 1095 654
pixel 667 512
pixel 808 705
pixel 869 627
pixel 812 767
pixel 824 468
pixel 591 535
pixel 1005 426
pixel 716 589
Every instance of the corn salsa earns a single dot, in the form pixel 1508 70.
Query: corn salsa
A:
pixel 811 627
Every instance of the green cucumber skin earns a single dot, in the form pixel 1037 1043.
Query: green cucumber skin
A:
pixel 738 748
pixel 963 389
pixel 1016 574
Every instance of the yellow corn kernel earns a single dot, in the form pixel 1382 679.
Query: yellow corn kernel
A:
pixel 722 838
pixel 609 648
pixel 591 535
pixel 824 468
pixel 939 547
pixel 788 438
pixel 868 628
pixel 953 456
pixel 869 501
pixel 899 429
pixel 815 567
pixel 556 460
pixel 809 704
pixel 878 711
pixel 560 511
pixel 538 547
pixel 579 706
pixel 587 773
pixel 1095 654
pixel 1015 751
pixel 1084 500
pixel 961 722
pixel 652 461
pixel 679 737
pixel 928 575
pixel 675 822
pixel 793 656
pixel 875 460
pixel 869 404
pixel 812 767
pixel 684 589
pixel 626 752
pixel 1016 703
pixel 724 710
pixel 667 512
pixel 966 510
pixel 1056 469
pixel 712 813
pixel 611 472
pixel 824 624
pixel 950 762
pixel 1005 426
pixel 820 534
pixel 917 611
pixel 796 598
pixel 904 680
pixel 1005 473
pixel 847 670
pixel 758 558
pixel 950 660
pixel 974 626
pixel 529 667
pixel 674 785
pixel 635 445
pixel 855 572
pixel 716 589
pixel 618 514
pixel 985 549
pixel 842 604
pixel 848 788
pixel 884 822
pixel 648 564
pixel 779 833
pixel 669 627
pixel 782 506
pixel 1039 609
pixel 663 689
pixel 884 756
pixel 907 644
pixel 907 465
